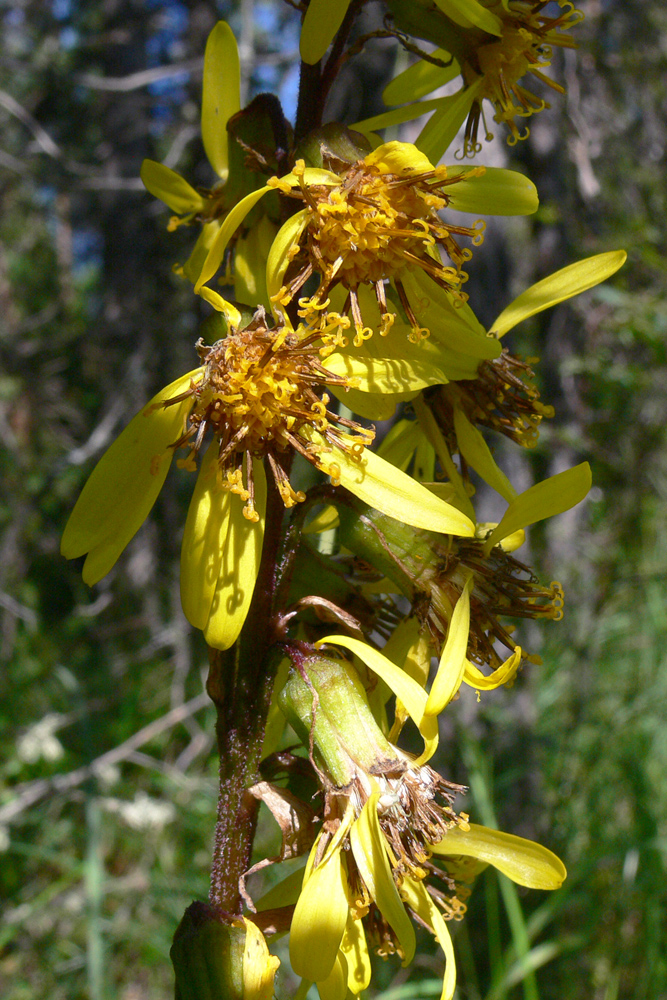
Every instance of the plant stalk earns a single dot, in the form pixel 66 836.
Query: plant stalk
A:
pixel 240 683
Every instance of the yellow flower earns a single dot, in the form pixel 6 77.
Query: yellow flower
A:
pixel 388 814
pixel 257 395
pixel 378 221
pixel 529 32
pixel 494 47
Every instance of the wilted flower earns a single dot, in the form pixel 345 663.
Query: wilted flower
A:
pixel 386 816
pixel 500 396
pixel 462 589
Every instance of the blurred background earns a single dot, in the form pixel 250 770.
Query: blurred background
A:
pixel 108 770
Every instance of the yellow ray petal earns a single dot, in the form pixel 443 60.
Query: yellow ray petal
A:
pixel 495 192
pixel 368 846
pixel 319 920
pixel 442 127
pixel 453 659
pixel 125 483
pixel 471 14
pixel 546 499
pixel 230 224
pixel 454 327
pixel 355 949
pixel 250 256
pixel 278 258
pixel 386 375
pixel 322 21
pixel 400 443
pixel 569 281
pixel 430 428
pixel 420 79
pixel 397 116
pixel 259 966
pixel 391 491
pixel 204 540
pixel 477 454
pixel 221 97
pixel 524 861
pixel 411 694
pixel 399 158
pixel 165 184
pixel 501 675
pixel 334 987
pixel 229 311
pixel 418 899
pixel 238 570
pixel 284 893
pixel 195 262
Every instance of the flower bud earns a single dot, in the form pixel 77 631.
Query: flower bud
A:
pixel 215 959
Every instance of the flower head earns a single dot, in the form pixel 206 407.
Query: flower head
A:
pixel 256 400
pixel 494 46
pixel 380 220
pixel 524 47
pixel 260 395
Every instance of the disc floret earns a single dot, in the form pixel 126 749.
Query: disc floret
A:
pixel 261 395
pixel 380 221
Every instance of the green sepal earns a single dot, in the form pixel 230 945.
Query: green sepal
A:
pixel 345 735
pixel 403 554
pixel 333 147
pixel 259 140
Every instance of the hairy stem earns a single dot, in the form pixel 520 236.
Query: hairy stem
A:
pixel 240 682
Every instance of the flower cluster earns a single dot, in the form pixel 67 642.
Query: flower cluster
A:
pixel 347 257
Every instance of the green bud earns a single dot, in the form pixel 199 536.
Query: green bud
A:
pixel 346 738
pixel 207 955
pixel 218 957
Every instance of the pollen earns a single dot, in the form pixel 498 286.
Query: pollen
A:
pixel 261 395
pixel 368 231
